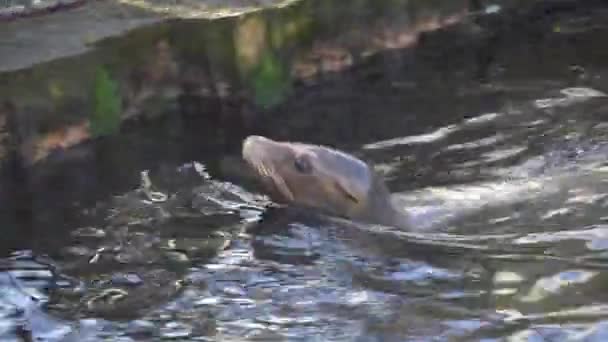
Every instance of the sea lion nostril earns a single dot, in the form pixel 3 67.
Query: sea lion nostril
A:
pixel 249 143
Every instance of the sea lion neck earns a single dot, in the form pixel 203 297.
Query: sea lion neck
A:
pixel 380 207
pixel 321 177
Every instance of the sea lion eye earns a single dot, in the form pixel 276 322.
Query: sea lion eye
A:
pixel 302 164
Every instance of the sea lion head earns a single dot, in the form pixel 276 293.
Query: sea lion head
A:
pixel 311 175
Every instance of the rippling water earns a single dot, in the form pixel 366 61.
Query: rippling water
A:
pixel 507 183
pixel 515 249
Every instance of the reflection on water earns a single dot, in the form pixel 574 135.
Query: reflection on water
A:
pixel 157 232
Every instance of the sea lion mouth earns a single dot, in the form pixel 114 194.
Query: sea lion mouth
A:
pixel 274 181
pixel 256 154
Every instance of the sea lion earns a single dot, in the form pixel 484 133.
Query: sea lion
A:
pixel 340 184
pixel 322 178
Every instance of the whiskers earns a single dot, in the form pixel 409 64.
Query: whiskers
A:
pixel 273 180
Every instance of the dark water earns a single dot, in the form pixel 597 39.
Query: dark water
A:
pixel 514 149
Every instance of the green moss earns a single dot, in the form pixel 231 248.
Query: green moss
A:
pixel 105 118
pixel 270 81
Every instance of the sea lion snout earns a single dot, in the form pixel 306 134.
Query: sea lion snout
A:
pixel 261 152
pixel 251 143
pixel 264 157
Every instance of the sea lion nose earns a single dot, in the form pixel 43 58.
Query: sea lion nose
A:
pixel 250 143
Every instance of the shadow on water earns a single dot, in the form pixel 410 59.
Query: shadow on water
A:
pixel 127 213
